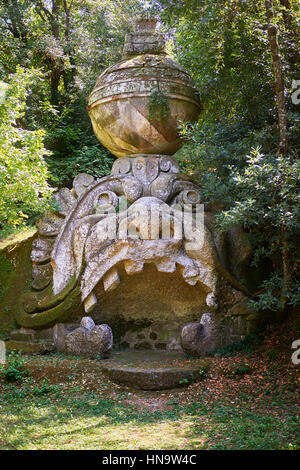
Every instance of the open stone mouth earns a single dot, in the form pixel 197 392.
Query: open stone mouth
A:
pixel 102 254
pixel 86 238
pixel 90 241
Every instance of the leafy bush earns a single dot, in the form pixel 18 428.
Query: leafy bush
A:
pixel 73 152
pixel 24 189
pixel 13 370
pixel 91 160
pixel 265 201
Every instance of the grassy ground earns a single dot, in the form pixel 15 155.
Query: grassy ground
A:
pixel 248 400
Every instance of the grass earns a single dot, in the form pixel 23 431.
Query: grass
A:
pixel 10 236
pixel 247 401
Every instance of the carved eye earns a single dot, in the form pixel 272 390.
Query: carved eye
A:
pixel 191 197
pixel 165 165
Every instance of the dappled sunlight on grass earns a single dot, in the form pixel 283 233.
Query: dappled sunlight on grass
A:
pixel 247 401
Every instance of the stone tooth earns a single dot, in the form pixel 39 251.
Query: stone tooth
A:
pixel 90 303
pixel 166 266
pixel 190 271
pixel 191 281
pixel 41 249
pixel 133 267
pixel 111 280
pixel 190 275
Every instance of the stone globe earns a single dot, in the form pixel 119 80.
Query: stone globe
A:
pixel 137 105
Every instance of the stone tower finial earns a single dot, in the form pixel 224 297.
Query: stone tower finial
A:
pixel 144 40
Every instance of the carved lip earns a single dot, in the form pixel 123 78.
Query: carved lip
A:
pixel 142 88
pixel 140 95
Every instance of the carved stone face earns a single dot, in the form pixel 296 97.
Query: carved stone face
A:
pixel 98 234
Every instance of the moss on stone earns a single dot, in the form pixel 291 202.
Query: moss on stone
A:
pixel 48 318
pixel 158 105
pixel 15 274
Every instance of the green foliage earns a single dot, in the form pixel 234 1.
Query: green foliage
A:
pixel 91 159
pixel 72 42
pixel 45 388
pixel 158 105
pixel 265 201
pixel 224 44
pixel 24 188
pixel 13 370
pixel 247 345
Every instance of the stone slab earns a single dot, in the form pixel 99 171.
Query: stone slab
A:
pixel 153 370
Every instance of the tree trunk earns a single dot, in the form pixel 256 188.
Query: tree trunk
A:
pixel 279 87
pixel 69 75
pixel 293 54
pixel 54 83
pixel 287 269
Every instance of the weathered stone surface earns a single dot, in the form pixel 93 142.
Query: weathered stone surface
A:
pixel 166 266
pixel 139 222
pixel 41 275
pixel 92 341
pixel 144 40
pixel 199 338
pixel 18 335
pixel 191 337
pixel 41 249
pixel 133 267
pixel 210 340
pixel 82 182
pixel 101 339
pixel 49 224
pixel 90 303
pixel 60 331
pixel 119 103
pixel 111 280
pixel 87 323
pixel 153 370
pixel 65 200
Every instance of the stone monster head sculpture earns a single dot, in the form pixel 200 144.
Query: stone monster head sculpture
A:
pixel 144 212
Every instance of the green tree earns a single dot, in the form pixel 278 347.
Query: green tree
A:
pixel 24 189
pixel 71 42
